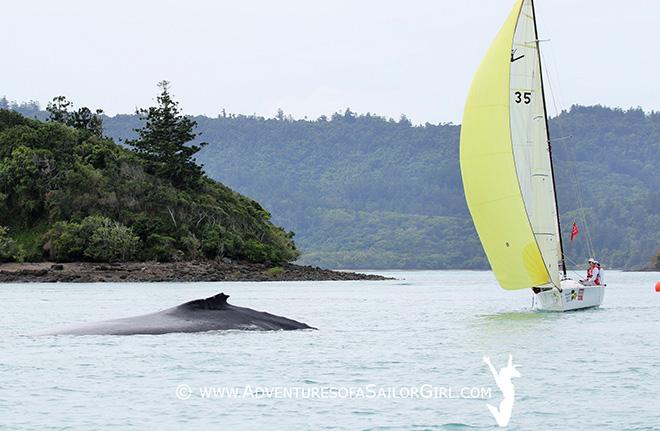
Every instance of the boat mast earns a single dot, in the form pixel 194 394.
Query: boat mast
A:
pixel 547 131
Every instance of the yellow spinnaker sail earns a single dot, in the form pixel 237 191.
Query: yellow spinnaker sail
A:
pixel 488 167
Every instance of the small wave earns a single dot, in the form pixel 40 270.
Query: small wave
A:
pixel 458 426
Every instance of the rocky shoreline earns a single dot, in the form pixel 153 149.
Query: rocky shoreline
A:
pixel 225 270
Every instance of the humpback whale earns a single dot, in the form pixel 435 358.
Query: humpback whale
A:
pixel 200 315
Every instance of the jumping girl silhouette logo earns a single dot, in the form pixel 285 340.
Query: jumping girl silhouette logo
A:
pixel 503 380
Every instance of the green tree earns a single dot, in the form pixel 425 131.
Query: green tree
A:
pixel 8 247
pixel 112 241
pixel 58 110
pixel 24 179
pixel 65 242
pixel 85 119
pixel 164 141
pixel 96 237
pixel 82 119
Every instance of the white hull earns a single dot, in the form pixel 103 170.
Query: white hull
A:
pixel 573 296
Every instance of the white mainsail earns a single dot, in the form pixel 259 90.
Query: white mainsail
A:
pixel 529 137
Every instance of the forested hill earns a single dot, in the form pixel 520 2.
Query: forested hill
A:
pixel 69 194
pixel 363 191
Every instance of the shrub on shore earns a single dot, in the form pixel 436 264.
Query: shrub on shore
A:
pixel 8 247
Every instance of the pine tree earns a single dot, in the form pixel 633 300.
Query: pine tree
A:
pixel 82 119
pixel 163 142
pixel 58 110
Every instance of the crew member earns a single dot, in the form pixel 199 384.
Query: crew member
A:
pixel 592 273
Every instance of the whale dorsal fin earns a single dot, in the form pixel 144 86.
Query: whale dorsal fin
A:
pixel 217 302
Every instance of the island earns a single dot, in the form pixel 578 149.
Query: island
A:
pixel 77 206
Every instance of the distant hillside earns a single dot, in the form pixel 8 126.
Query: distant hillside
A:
pixel 363 191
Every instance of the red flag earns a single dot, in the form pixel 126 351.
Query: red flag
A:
pixel 574 232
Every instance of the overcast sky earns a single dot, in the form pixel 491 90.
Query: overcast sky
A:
pixel 315 57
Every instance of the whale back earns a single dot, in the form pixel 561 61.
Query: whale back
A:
pixel 216 302
pixel 199 315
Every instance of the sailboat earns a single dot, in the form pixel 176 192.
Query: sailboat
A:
pixel 507 170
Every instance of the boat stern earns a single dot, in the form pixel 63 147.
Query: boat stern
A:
pixel 573 296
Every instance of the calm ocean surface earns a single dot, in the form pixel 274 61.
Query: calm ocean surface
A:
pixel 377 342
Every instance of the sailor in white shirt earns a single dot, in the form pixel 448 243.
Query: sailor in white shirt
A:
pixel 592 274
pixel 599 279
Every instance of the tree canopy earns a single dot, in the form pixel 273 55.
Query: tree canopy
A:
pixel 67 193
pixel 82 119
pixel 164 141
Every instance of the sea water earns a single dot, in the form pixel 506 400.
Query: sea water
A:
pixel 400 354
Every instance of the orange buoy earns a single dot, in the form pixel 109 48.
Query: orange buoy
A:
pixel 657 286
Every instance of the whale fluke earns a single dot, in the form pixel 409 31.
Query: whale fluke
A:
pixel 200 315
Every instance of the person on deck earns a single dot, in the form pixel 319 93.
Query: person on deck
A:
pixel 592 273
pixel 600 279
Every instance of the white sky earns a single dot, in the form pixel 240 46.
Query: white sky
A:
pixel 315 57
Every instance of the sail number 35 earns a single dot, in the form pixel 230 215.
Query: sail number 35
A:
pixel 525 97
